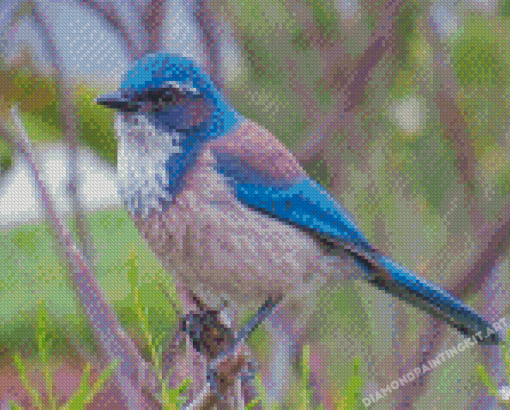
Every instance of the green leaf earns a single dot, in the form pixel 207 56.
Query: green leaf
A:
pixel 103 378
pixel 354 386
pixel 85 395
pixel 504 8
pixel 486 380
pixel 96 125
pixel 173 398
pixel 305 391
pixel 77 401
pixel 14 406
pixel 34 393
pixel 252 404
pixel 480 55
pixel 325 18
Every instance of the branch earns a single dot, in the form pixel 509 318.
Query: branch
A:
pixel 491 241
pixel 137 41
pixel 112 340
pixel 226 354
pixel 351 92
pixel 209 38
pixel 70 120
pixel 152 21
pixel 228 376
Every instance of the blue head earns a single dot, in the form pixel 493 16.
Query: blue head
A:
pixel 165 109
pixel 173 94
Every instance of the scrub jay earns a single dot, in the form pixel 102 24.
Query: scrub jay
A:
pixel 234 218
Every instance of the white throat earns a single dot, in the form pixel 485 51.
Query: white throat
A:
pixel 143 151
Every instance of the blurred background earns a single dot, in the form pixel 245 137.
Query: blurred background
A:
pixel 400 108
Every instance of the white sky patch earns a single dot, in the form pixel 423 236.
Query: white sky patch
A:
pixel 90 50
pixel 19 199
pixel 348 8
pixel 231 59
pixel 446 21
pixel 504 393
pixel 180 33
pixel 409 115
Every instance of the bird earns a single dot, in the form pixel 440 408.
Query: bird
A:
pixel 233 217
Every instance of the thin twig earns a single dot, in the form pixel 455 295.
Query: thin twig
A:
pixel 351 92
pixel 112 339
pixel 209 38
pixel 137 41
pixel 70 120
pixel 152 21
pixel 491 241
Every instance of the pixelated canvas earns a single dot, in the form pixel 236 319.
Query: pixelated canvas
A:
pixel 259 204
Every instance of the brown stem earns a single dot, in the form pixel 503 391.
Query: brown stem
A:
pixel 112 339
pixel 70 120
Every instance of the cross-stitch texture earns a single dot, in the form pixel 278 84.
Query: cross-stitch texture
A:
pixel 256 204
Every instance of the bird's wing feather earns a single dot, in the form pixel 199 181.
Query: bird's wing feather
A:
pixel 266 177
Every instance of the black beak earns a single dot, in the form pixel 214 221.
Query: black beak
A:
pixel 120 101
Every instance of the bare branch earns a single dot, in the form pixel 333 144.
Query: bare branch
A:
pixel 210 35
pixel 152 20
pixel 228 375
pixel 112 339
pixel 70 120
pixel 351 93
pixel 137 41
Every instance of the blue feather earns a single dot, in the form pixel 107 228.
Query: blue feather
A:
pixel 306 204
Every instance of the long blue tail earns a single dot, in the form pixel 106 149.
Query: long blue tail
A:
pixel 431 298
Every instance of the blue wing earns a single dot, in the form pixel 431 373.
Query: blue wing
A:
pixel 301 202
pixel 306 204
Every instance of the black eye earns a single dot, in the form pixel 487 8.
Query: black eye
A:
pixel 157 96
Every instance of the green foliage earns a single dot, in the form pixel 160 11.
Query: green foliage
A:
pixel 96 125
pixel 263 63
pixel 171 398
pixel 258 341
pixel 83 395
pixel 50 119
pixel 486 380
pixel 406 25
pixel 325 18
pixel 490 383
pixel 39 129
pixel 27 240
pixel 5 156
pixel 33 392
pixel 480 54
pixel 44 340
pixel 38 100
pixel 478 63
pixel 249 406
pixel 256 18
pixel 174 398
pixel 504 8
pixel 305 393
pixel 31 267
pixel 301 41
pixel 503 181
pixel 350 397
pixel 319 171
pixel 40 113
